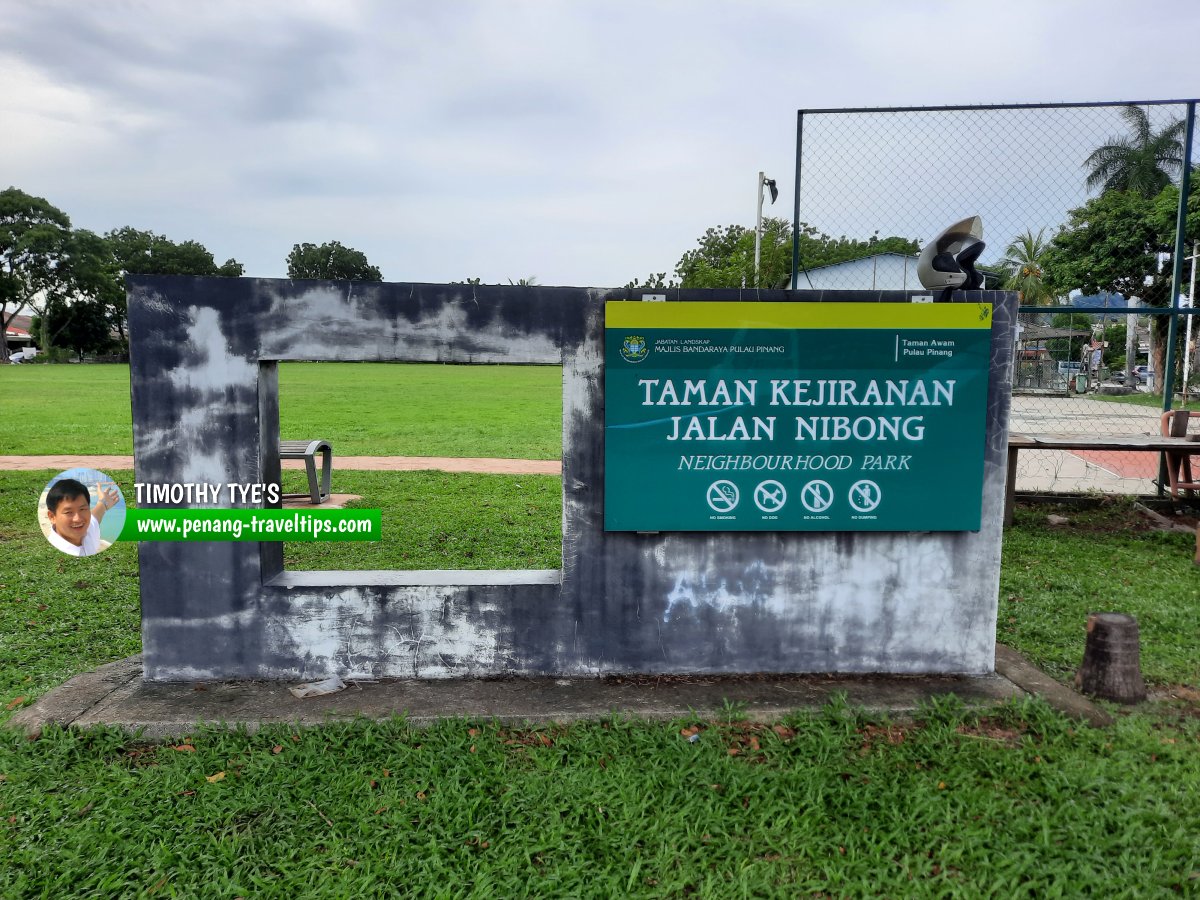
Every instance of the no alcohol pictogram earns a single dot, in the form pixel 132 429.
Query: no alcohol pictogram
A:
pixel 865 495
pixel 770 496
pixel 817 496
pixel 723 496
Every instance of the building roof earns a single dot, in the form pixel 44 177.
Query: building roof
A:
pixel 859 259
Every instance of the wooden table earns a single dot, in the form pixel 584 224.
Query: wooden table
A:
pixel 1018 441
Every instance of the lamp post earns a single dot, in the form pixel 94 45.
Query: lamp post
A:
pixel 769 183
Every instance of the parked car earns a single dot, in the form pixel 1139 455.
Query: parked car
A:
pixel 1143 373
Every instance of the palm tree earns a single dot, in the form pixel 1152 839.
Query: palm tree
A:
pixel 1141 163
pixel 1023 260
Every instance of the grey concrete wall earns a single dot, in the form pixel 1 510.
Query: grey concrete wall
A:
pixel 205 408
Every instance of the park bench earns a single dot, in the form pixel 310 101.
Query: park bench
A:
pixel 1176 448
pixel 1179 465
pixel 318 491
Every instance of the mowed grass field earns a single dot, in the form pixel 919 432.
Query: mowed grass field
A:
pixel 1013 801
pixel 363 409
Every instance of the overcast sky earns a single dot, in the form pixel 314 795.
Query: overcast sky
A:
pixel 579 142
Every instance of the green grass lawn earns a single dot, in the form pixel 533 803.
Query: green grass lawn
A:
pixel 363 409
pixel 1153 401
pixel 1105 560
pixel 438 520
pixel 1017 801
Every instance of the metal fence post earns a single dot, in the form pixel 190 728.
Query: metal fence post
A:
pixel 1177 259
pixel 796 202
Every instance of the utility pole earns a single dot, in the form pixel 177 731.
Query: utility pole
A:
pixel 763 181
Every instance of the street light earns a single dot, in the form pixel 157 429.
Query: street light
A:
pixel 769 183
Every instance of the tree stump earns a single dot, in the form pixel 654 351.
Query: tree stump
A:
pixel 1111 667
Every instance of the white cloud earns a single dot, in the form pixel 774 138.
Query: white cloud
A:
pixel 582 142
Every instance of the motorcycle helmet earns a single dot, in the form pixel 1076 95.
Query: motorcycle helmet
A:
pixel 948 261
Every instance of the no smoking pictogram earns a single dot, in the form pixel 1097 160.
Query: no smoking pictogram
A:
pixel 817 496
pixel 723 496
pixel 865 495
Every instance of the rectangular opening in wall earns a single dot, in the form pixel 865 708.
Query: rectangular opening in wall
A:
pixel 463 462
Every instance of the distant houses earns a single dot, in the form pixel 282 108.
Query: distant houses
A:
pixel 16 335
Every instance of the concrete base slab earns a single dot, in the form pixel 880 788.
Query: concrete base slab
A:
pixel 1021 672
pixel 116 695
pixel 335 501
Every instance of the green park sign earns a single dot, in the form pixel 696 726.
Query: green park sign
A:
pixel 795 416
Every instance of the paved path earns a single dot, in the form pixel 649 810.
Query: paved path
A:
pixel 483 465
pixel 1084 471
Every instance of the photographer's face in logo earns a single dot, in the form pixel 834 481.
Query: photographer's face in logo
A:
pixel 82 512
pixel 71 518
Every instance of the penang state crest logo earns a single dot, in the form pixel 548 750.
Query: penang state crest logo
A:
pixel 634 349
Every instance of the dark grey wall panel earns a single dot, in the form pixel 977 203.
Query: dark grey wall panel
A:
pixel 205 408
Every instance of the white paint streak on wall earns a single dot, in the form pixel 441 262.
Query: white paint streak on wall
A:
pixel 913 589
pixel 310 328
pixel 352 634
pixel 219 368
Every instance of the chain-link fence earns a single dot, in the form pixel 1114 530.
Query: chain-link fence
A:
pixel 1053 185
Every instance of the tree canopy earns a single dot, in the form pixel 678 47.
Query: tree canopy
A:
pixel 725 255
pixel 71 279
pixel 1113 243
pixel 146 253
pixel 1109 244
pixel 34 242
pixel 332 262
pixel 1142 162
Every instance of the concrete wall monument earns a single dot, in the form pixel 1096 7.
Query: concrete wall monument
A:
pixel 204 385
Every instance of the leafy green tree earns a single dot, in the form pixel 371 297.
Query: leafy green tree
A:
pixel 83 325
pixel 331 262
pixel 529 281
pixel 1108 244
pixel 1143 162
pixel 137 252
pixel 1070 349
pixel 1024 265
pixel 1114 336
pixel 93 286
pixel 146 253
pixel 34 239
pixel 655 281
pixel 725 256
pixel 1112 243
pixel 1166 210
